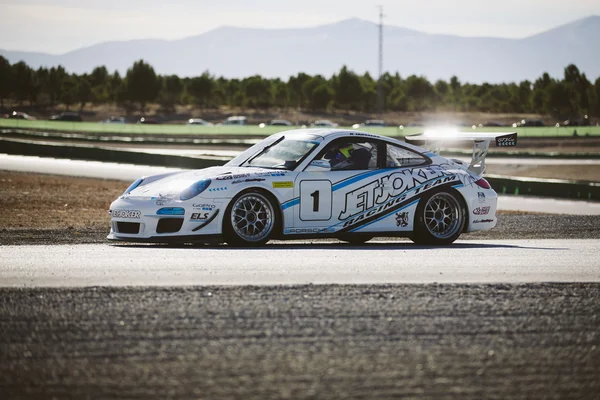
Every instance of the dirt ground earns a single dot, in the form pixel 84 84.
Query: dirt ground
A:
pixel 39 201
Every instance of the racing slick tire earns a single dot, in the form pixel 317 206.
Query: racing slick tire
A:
pixel 440 218
pixel 250 219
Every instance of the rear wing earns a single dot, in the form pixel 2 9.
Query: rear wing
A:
pixel 481 143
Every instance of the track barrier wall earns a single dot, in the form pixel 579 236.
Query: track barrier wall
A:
pixel 105 155
pixel 545 187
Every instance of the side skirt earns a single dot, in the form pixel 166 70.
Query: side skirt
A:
pixel 346 235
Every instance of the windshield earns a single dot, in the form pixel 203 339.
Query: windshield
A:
pixel 285 153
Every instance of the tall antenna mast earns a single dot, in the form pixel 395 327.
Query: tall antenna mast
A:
pixel 379 88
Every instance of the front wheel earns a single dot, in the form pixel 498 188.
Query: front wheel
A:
pixel 250 220
pixel 440 218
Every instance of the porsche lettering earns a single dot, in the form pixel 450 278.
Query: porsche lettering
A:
pixel 309 230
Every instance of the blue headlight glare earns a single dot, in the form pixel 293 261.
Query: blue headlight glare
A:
pixel 171 211
pixel 195 189
pixel 135 184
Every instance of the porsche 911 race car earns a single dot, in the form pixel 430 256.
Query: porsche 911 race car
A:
pixel 316 183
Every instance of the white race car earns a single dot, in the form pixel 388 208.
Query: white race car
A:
pixel 316 183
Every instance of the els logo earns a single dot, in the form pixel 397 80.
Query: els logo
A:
pixel 199 216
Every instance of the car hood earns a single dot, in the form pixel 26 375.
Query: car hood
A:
pixel 172 185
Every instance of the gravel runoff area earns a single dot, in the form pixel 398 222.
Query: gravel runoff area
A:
pixel 536 341
pixel 328 342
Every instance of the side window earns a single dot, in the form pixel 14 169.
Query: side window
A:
pixel 401 157
pixel 348 155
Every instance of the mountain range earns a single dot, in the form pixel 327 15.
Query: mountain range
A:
pixel 235 52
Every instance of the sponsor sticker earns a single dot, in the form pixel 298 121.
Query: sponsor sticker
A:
pixel 281 185
pixel 131 214
pixel 270 174
pixel 201 216
pixel 218 189
pixel 362 134
pixel 385 192
pixel 402 219
pixel 481 221
pixel 230 176
pixel 248 180
pixel 506 141
pixel 161 200
pixel 481 210
pixel 481 197
pixel 205 207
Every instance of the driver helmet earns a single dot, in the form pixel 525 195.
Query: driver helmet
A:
pixel 341 153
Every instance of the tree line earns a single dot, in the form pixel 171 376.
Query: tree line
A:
pixel 573 95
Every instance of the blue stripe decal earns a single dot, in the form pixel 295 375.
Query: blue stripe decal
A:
pixel 290 203
pixel 356 178
pixel 430 154
pixel 385 216
pixel 458 186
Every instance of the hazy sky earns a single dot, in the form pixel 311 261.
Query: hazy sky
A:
pixel 59 26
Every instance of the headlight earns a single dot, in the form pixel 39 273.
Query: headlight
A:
pixel 135 184
pixel 195 189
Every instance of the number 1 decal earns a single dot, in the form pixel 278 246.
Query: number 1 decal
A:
pixel 315 196
pixel 315 200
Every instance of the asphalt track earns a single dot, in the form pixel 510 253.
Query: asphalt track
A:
pixel 301 262
pixel 130 172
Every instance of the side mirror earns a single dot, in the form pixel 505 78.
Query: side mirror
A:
pixel 318 166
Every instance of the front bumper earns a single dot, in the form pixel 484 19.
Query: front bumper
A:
pixel 142 220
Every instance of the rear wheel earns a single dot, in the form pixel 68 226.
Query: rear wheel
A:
pixel 250 220
pixel 440 218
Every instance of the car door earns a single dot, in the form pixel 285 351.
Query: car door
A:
pixel 325 198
